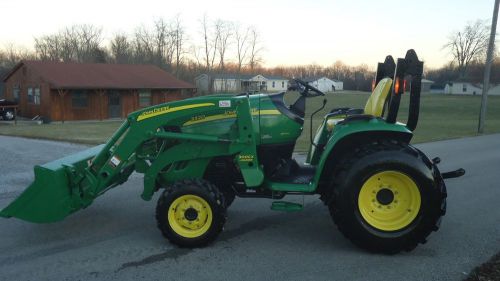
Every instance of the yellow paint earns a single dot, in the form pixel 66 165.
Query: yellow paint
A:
pixel 268 112
pixel 399 213
pixel 184 227
pixel 228 115
pixel 245 158
pixel 375 104
pixel 167 109
pixel 331 122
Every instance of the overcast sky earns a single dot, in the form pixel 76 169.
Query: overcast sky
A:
pixel 293 32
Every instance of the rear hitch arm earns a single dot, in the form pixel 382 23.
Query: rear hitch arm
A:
pixel 451 174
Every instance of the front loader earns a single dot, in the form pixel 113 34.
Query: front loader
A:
pixel 384 194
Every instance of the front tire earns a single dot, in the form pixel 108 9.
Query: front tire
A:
pixel 191 213
pixel 387 197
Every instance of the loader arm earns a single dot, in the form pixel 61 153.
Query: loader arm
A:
pixel 66 185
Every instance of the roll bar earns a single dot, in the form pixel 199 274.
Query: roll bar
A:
pixel 385 69
pixel 408 69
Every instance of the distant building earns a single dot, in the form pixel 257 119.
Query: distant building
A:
pixel 325 84
pixel 437 88
pixel 426 86
pixel 240 83
pixel 468 88
pixel 86 91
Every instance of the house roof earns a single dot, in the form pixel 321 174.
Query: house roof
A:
pixel 315 78
pixel 233 76
pixel 274 77
pixel 68 75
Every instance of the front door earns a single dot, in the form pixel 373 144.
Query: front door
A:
pixel 114 105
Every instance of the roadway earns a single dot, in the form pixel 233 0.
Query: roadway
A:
pixel 116 238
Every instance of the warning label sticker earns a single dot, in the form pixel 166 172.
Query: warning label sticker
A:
pixel 224 103
pixel 114 161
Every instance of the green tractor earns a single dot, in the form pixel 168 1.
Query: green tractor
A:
pixel 384 194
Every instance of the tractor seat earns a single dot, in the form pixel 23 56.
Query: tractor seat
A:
pixel 374 106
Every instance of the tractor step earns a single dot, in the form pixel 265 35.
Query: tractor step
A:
pixel 294 173
pixel 286 206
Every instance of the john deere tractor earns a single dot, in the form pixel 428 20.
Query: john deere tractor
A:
pixel 384 194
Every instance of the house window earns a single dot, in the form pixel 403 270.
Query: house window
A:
pixel 144 98
pixel 79 98
pixel 282 84
pixel 30 95
pixel 464 88
pixel 36 96
pixel 274 84
pixel 33 95
pixel 16 91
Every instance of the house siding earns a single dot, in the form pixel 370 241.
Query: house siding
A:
pixel 57 103
pixel 327 85
pixel 25 78
pixel 97 103
pixel 279 85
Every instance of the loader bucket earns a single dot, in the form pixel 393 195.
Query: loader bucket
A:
pixel 50 197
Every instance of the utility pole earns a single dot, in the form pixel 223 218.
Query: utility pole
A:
pixel 487 69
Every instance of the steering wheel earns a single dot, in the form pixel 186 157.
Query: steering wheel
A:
pixel 306 88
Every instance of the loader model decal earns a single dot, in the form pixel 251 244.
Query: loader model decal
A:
pixel 228 114
pixel 245 158
pixel 167 109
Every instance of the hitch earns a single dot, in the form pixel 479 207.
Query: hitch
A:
pixel 451 174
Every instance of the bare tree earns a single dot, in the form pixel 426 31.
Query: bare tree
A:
pixel 223 29
pixel 164 43
pixel 255 49
pixel 87 40
pixel 468 44
pixel 242 46
pixel 121 49
pixel 210 40
pixel 143 47
pixel 80 43
pixel 179 42
pixel 48 47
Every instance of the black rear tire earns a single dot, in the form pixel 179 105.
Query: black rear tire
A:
pixel 348 203
pixel 188 223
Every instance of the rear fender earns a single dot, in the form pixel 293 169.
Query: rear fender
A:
pixel 349 136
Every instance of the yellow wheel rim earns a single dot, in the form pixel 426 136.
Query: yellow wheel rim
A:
pixel 389 201
pixel 190 216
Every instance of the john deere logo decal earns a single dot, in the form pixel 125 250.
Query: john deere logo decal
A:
pixel 167 109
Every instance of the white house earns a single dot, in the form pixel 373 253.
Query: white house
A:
pixel 426 85
pixel 325 84
pixel 240 83
pixel 463 88
pixel 467 88
pixel 276 83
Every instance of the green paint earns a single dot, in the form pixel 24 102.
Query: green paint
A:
pixel 286 206
pixel 175 141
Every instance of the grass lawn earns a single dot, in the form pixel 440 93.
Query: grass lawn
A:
pixel 94 132
pixel 441 117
